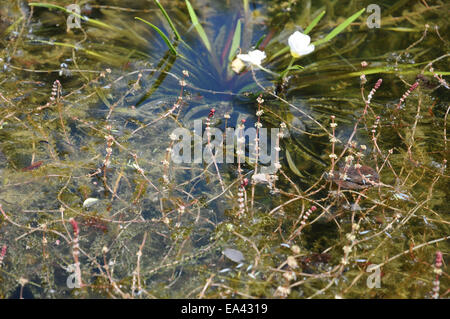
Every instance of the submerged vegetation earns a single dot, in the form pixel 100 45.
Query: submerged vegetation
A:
pixel 354 203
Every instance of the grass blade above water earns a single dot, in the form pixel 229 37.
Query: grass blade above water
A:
pixel 314 22
pixel 172 26
pixel 236 41
pixel 198 26
pixel 171 47
pixel 340 27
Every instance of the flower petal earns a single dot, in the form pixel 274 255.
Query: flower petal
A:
pixel 244 57
pixel 299 38
pixel 299 44
pixel 257 55
pixel 253 57
pixel 310 48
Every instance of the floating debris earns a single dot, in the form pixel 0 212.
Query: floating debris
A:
pixel 89 202
pixel 224 270
pixel 234 255
pixel 239 266
pixel 401 196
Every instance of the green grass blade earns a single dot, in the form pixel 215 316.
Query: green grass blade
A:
pixel 246 6
pixel 171 47
pixel 91 21
pixel 292 165
pixel 294 67
pixel 340 27
pixel 172 26
pixel 389 70
pixel 236 41
pixel 102 97
pixel 400 29
pixel 198 26
pixel 258 43
pixel 314 22
pixel 12 26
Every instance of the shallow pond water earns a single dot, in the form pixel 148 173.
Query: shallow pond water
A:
pixel 355 188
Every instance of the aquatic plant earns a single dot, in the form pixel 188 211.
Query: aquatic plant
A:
pixel 93 205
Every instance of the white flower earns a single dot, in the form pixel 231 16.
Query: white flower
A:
pixel 300 44
pixel 347 249
pixel 344 261
pixel 282 291
pixel 332 156
pixel 253 57
pixel 290 275
pixel 295 249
